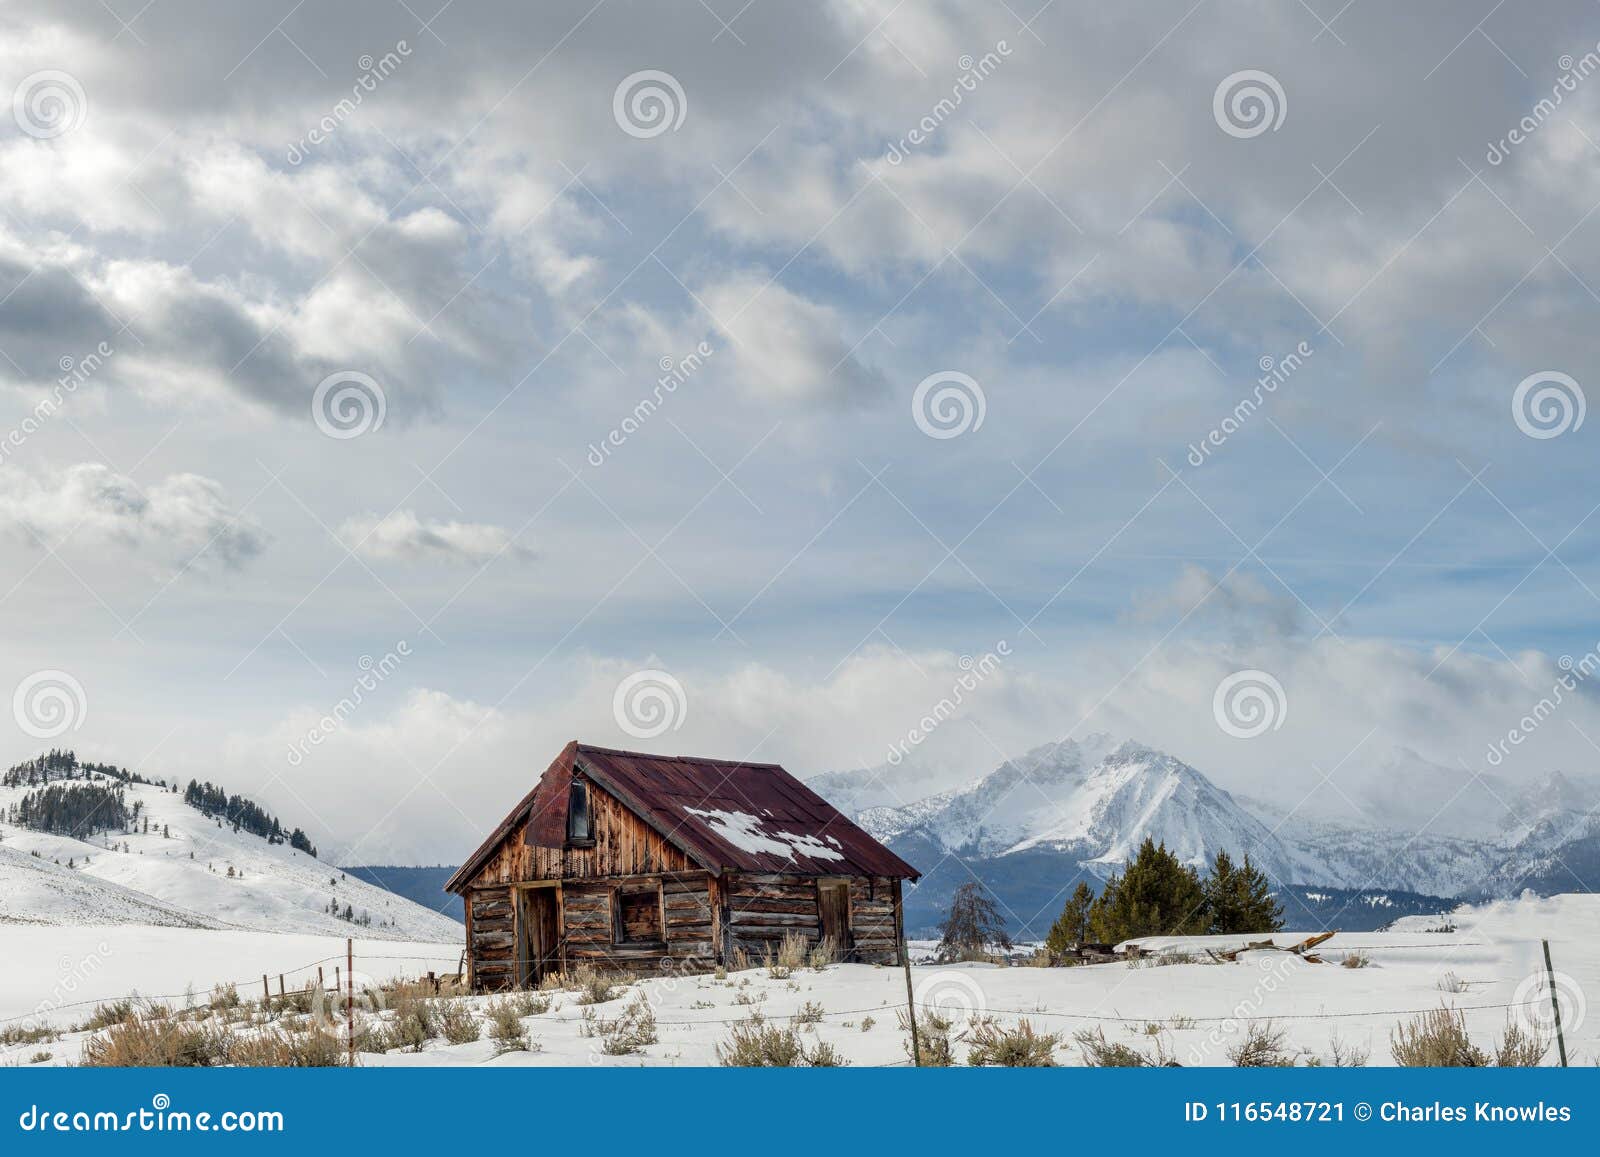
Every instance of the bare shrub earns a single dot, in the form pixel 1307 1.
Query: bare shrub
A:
pixel 933 1037
pixel 824 953
pixel 457 1024
pixel 634 1028
pixel 756 1044
pixel 28 1034
pixel 593 987
pixel 1262 1048
pixel 1450 982
pixel 1521 1046
pixel 1019 1047
pixel 1346 1056
pixel 1356 959
pixel 144 1041
pixel 283 1048
pixel 1103 1054
pixel 505 1025
pixel 810 1013
pixel 106 1015
pixel 1436 1039
pixel 867 1022
pixel 792 952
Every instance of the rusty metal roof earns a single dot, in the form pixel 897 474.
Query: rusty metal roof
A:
pixel 726 815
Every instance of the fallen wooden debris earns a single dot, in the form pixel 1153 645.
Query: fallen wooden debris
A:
pixel 1301 949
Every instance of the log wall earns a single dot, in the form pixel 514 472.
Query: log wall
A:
pixel 703 918
pixel 491 938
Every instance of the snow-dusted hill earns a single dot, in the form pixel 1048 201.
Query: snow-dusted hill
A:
pixel 188 870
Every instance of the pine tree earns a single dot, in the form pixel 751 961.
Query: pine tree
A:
pixel 1072 926
pixel 1239 898
pixel 1155 895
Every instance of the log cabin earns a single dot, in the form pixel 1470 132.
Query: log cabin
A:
pixel 633 862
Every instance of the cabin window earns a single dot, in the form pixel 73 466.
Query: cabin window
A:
pixel 580 821
pixel 639 917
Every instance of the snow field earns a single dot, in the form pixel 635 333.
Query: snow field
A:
pixel 1490 966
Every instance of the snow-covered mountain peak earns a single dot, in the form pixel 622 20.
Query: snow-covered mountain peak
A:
pixel 1096 798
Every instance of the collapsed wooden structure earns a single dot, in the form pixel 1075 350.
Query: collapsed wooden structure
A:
pixel 623 860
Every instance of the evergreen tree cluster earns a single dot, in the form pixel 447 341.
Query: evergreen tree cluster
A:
pixel 57 765
pixel 244 815
pixel 1159 895
pixel 72 809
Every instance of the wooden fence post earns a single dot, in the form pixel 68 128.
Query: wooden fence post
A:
pixel 350 996
pixel 1555 1003
pixel 911 1006
pixel 266 994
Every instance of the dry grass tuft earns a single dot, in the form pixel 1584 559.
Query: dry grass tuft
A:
pixel 756 1044
pixel 1262 1048
pixel 1019 1047
pixel 1436 1039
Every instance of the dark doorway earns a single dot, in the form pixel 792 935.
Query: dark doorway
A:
pixel 833 903
pixel 538 935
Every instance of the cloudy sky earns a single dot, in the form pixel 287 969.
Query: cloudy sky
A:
pixel 465 364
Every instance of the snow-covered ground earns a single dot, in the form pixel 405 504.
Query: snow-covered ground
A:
pixel 188 870
pixel 1489 966
pixel 55 975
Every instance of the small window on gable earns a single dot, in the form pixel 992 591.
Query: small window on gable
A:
pixel 580 822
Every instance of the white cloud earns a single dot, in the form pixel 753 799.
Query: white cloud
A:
pixel 404 537
pixel 789 347
pixel 182 517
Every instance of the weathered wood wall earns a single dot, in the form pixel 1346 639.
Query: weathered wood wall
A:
pixel 624 845
pixel 874 920
pixel 491 938
pixel 764 908
pixel 703 918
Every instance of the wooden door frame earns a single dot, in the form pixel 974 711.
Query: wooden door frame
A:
pixel 843 947
pixel 521 946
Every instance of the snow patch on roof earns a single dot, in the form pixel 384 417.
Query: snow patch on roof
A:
pixel 743 831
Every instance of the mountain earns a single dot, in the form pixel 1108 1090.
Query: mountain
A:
pixel 1094 800
pixel 1035 825
pixel 163 861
